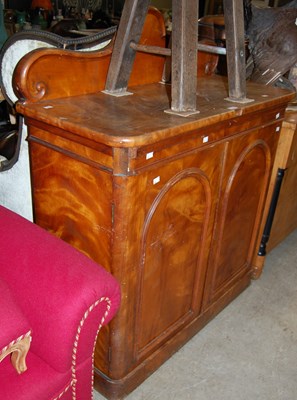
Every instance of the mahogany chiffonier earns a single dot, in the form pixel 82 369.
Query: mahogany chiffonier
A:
pixel 170 205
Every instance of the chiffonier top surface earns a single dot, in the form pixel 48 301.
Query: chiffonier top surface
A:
pixel 139 119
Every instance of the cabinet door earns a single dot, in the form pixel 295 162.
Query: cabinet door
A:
pixel 247 170
pixel 179 200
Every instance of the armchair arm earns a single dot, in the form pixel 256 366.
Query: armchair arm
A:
pixel 65 296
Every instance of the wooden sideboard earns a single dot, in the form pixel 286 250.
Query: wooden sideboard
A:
pixel 170 205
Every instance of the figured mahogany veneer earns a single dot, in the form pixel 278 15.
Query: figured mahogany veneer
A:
pixel 58 72
pixel 61 73
pixel 170 205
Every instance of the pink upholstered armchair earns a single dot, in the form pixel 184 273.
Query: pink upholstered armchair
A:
pixel 53 301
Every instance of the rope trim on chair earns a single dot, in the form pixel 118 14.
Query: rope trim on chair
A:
pixel 64 391
pixel 14 342
pixel 86 314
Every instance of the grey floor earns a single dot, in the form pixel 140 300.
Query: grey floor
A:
pixel 248 352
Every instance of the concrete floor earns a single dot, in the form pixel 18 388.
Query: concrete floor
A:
pixel 248 352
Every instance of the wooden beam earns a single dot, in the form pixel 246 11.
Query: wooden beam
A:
pixel 130 28
pixel 184 56
pixel 235 45
pixel 183 53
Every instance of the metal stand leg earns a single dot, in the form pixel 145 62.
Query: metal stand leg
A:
pixel 131 24
pixel 235 44
pixel 183 53
pixel 184 57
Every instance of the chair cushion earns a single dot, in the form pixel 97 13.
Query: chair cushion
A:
pixel 14 325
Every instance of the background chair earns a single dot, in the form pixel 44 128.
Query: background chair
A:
pixel 59 298
pixel 15 181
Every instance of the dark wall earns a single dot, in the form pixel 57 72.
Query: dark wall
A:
pixel 118 6
pixel 18 4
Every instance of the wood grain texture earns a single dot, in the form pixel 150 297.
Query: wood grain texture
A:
pixel 52 73
pixel 242 200
pixel 148 124
pixel 170 205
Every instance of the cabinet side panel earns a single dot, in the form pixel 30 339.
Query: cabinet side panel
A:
pixel 72 200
